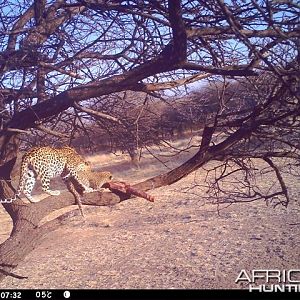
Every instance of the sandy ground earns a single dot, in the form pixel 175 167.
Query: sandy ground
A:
pixel 176 242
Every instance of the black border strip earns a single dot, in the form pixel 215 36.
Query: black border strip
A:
pixel 141 294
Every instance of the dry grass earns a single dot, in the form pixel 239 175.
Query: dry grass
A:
pixel 176 242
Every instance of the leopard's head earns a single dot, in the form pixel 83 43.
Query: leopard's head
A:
pixel 98 179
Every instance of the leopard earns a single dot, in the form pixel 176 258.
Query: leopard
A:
pixel 87 181
pixel 45 163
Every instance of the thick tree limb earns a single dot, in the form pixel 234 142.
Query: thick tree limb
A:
pixel 240 70
pixel 226 32
pixel 18 28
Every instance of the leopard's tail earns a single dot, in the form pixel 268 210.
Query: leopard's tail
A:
pixel 15 197
pixel 24 170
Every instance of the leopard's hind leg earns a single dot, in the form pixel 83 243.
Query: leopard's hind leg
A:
pixel 45 179
pixel 28 184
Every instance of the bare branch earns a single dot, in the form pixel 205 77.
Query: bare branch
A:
pixel 97 114
pixel 60 70
pixel 51 132
pixel 146 87
pixel 280 179
pixel 15 130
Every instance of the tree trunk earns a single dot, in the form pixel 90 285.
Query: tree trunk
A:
pixel 135 157
pixel 27 230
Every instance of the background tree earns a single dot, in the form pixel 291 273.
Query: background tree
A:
pixel 57 57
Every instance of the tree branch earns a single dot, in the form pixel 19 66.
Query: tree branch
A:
pixel 280 180
pixel 60 70
pixel 239 70
pixel 97 114
pixel 52 132
pixel 226 32
pixel 148 87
